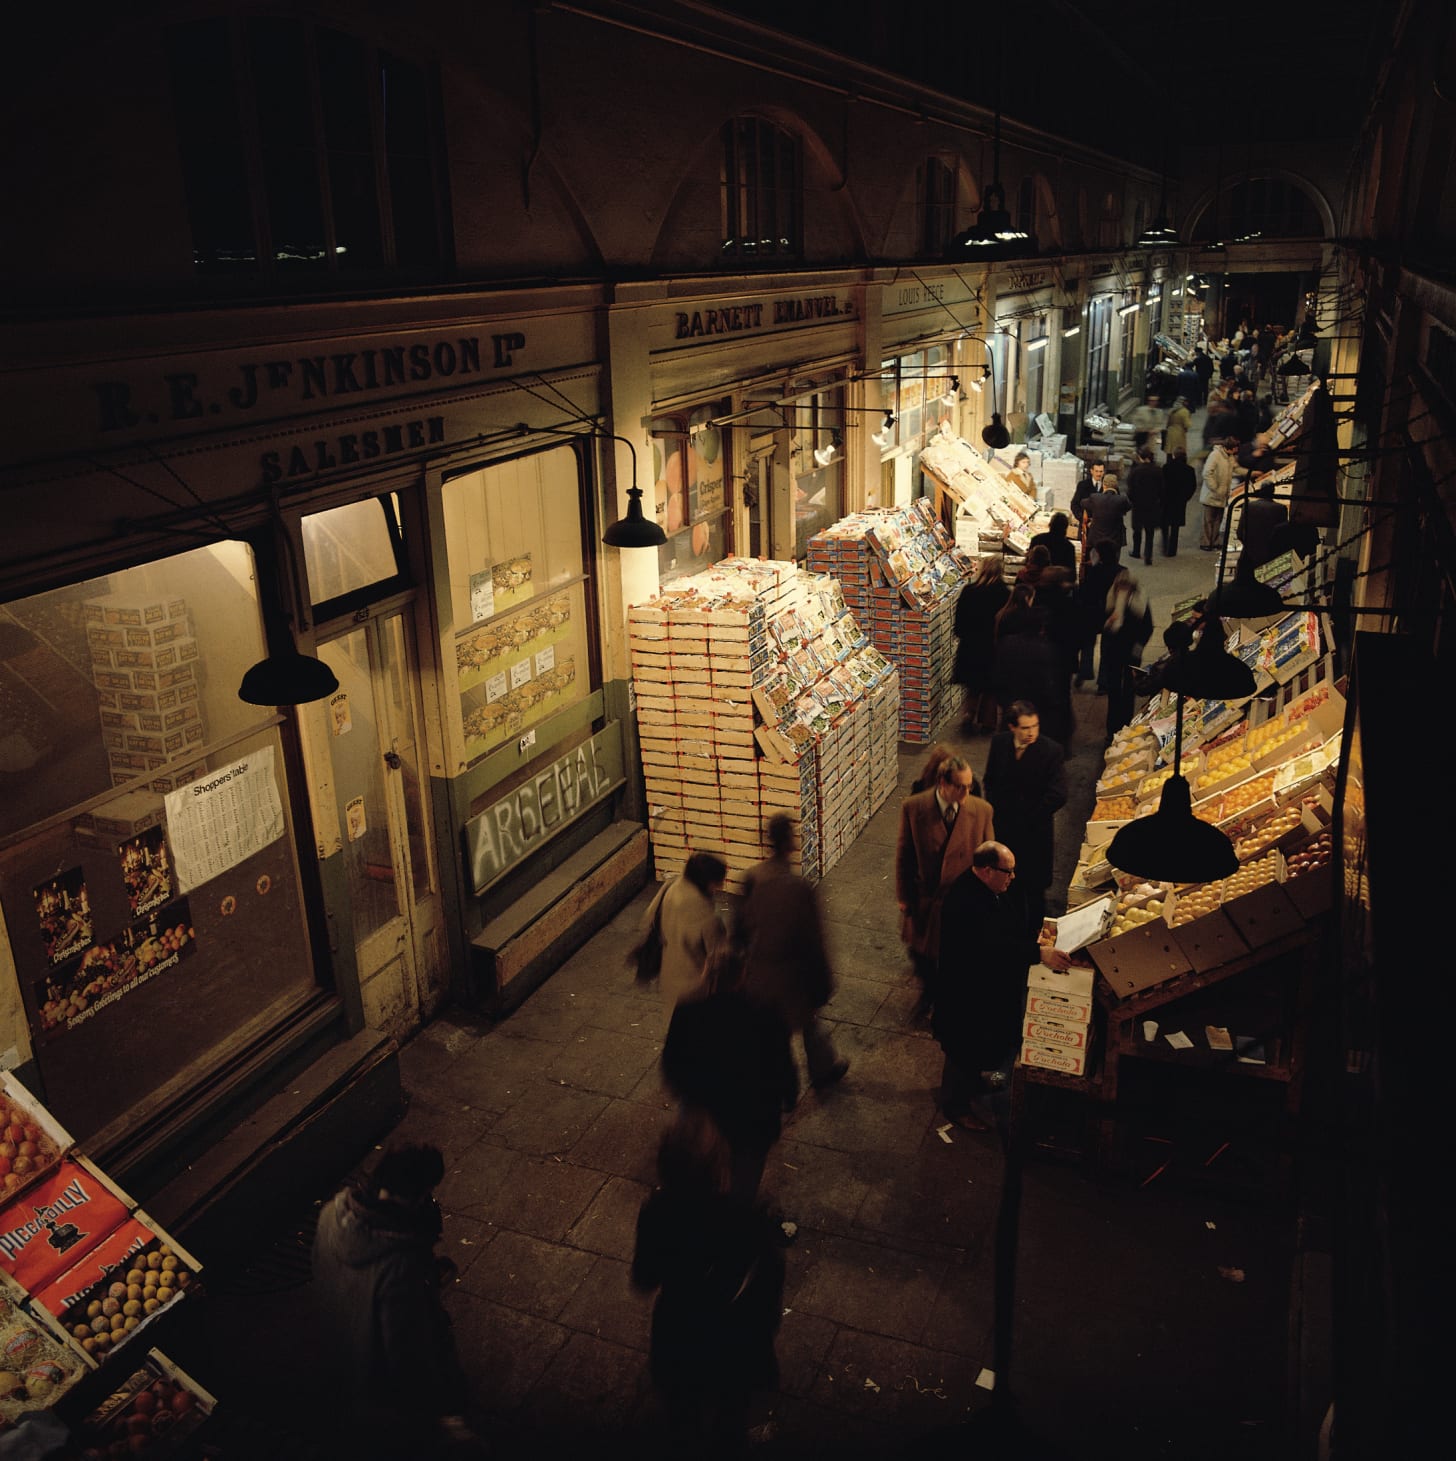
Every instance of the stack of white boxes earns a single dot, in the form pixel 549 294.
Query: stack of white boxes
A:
pixel 1057 1028
pixel 756 693
pixel 144 664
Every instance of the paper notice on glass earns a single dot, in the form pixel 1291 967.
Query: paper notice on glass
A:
pixel 354 818
pixel 1179 1041
pixel 545 659
pixel 495 687
pixel 216 823
pixel 482 595
pixel 341 718
pixel 1082 926
pixel 520 673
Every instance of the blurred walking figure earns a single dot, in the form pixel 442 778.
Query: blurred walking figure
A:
pixel 729 1057
pixel 691 929
pixel 1180 482
pixel 378 1282
pixel 975 626
pixel 715 1263
pixel 1145 492
pixel 781 928
pixel 1128 629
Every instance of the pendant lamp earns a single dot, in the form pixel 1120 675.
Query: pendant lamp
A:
pixel 1208 671
pixel 996 435
pixel 634 530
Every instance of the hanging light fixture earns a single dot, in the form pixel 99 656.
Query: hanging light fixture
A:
pixel 953 395
pixel 636 529
pixel 284 676
pixel 884 435
pixel 825 454
pixel 1172 845
pixel 996 435
pixel 1294 365
pixel 994 235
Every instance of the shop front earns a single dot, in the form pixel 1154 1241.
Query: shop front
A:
pixel 200 895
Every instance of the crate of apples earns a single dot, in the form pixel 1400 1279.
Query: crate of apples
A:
pixel 107 1314
pixel 26 1149
pixel 149 1416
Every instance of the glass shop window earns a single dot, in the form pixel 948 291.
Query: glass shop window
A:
pixel 148 884
pixel 763 192
pixel 690 475
pixel 518 594
pixel 353 554
pixel 817 423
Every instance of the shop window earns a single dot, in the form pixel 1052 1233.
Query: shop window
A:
pixel 818 464
pixel 690 476
pixel 1035 371
pixel 935 187
pixel 149 890
pixel 914 387
pixel 762 191
pixel 1126 343
pixel 304 150
pixel 518 594
pixel 353 554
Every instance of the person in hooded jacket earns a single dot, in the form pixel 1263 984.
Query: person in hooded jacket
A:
pixel 377 1282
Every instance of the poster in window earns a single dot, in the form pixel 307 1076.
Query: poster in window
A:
pixel 545 659
pixel 520 673
pixel 705 443
pixel 354 818
pixel 64 911
pixel 482 653
pixel 70 996
pixel 229 815
pixel 511 582
pixel 496 686
pixel 146 870
pixel 341 718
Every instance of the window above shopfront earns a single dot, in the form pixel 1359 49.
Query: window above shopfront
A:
pixel 305 151
pixel 935 191
pixel 763 192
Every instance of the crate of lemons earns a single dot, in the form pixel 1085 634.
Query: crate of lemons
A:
pixel 107 1314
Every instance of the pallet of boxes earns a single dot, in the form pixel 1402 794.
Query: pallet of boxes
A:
pixel 145 664
pixel 757 692
pixel 901 575
pixel 87 1281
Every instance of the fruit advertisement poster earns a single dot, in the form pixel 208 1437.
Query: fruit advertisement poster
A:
pixel 68 997
pixel 146 870
pixel 64 911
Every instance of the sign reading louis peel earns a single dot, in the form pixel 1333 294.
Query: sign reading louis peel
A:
pixel 522 820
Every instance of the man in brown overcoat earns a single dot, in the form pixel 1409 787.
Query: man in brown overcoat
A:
pixel 940 829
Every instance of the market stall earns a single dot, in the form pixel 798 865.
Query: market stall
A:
pixel 88 1282
pixel 1207 978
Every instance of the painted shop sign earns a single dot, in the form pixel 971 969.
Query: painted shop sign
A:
pixel 509 830
pixel 739 318
pixel 265 387
pixel 325 454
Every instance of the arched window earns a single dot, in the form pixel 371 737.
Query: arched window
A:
pixel 763 191
pixel 1026 206
pixel 1261 208
pixel 935 196
pixel 305 150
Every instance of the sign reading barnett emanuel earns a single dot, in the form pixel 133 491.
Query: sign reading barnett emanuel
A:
pixel 732 319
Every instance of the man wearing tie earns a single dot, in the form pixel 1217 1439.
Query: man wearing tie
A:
pixel 940 829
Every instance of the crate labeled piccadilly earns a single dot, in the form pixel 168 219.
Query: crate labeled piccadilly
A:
pixel 50 1226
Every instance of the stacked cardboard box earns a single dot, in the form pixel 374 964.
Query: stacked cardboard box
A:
pixel 901 576
pixel 758 693
pixel 1057 1028
pixel 144 664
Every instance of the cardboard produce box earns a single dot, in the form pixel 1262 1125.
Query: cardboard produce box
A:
pixel 57 1221
pixel 1062 1034
pixel 1051 1057
pixel 152 1413
pixel 37 1365
pixel 32 1143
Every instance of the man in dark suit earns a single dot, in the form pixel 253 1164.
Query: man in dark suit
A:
pixel 985 952
pixel 939 830
pixel 1260 520
pixel 1026 783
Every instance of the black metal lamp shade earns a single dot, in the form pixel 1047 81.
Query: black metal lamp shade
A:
pixel 996 435
pixel 287 678
pixel 634 530
pixel 1209 671
pixel 1172 845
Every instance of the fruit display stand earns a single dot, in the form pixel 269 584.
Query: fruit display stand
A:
pixel 84 1275
pixel 1223 968
pixel 758 692
pixel 901 575
pixel 990 510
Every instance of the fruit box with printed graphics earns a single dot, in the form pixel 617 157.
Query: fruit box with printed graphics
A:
pixel 56 1222
pixel 135 1274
